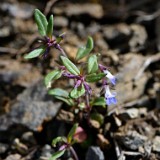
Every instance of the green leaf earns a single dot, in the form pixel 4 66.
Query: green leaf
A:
pixel 95 77
pixel 56 140
pixel 69 101
pixel 98 117
pixel 77 92
pixel 100 101
pixel 84 51
pixel 61 95
pixel 60 37
pixel 35 53
pixel 71 133
pixel 57 155
pixel 70 66
pixel 92 64
pixel 58 92
pixel 41 21
pixel 56 74
pixel 50 27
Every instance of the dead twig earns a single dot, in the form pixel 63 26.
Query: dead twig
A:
pixel 145 65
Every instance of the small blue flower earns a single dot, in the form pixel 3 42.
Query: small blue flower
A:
pixel 110 97
pixel 110 77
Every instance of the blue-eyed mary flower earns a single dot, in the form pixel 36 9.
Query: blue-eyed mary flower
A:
pixel 111 77
pixel 110 97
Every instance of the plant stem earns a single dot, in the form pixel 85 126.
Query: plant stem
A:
pixel 63 52
pixel 74 153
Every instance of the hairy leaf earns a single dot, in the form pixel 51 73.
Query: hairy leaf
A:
pixel 100 101
pixel 84 51
pixel 72 132
pixel 56 74
pixel 35 53
pixel 50 27
pixel 77 92
pixel 92 64
pixel 56 140
pixel 95 77
pixel 70 66
pixel 41 21
pixel 58 92
pixel 57 155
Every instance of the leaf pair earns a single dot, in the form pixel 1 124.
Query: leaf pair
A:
pixel 45 28
pixel 61 139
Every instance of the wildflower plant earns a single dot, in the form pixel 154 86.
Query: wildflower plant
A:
pixel 82 73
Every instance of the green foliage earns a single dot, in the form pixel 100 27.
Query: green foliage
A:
pixel 61 95
pixel 97 117
pixel 56 140
pixel 92 64
pixel 84 51
pixel 56 74
pixel 77 92
pixel 72 132
pixel 95 77
pixel 100 101
pixel 41 21
pixel 35 53
pixel 50 27
pixel 58 92
pixel 70 66
pixel 57 155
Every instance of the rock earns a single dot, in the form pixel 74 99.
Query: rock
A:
pixel 18 10
pixel 60 21
pixel 156 144
pixel 13 71
pixel 116 32
pixel 19 146
pixel 103 142
pixel 132 140
pixel 138 39
pixel 93 29
pixel 126 85
pixel 33 107
pixel 128 114
pixel 46 152
pixel 6 31
pixel 94 153
pixel 28 137
pixel 93 10
pixel 79 28
pixel 3 148
pixel 14 157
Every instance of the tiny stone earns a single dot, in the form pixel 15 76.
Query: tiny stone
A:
pixel 3 148
pixel 156 144
pixel 46 151
pixel 94 153
pixel 13 157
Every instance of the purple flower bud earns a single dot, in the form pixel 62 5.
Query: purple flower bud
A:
pixel 87 88
pixel 70 75
pixel 102 68
pixel 64 146
pixel 110 77
pixel 78 83
pixel 110 97
pixel 45 54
